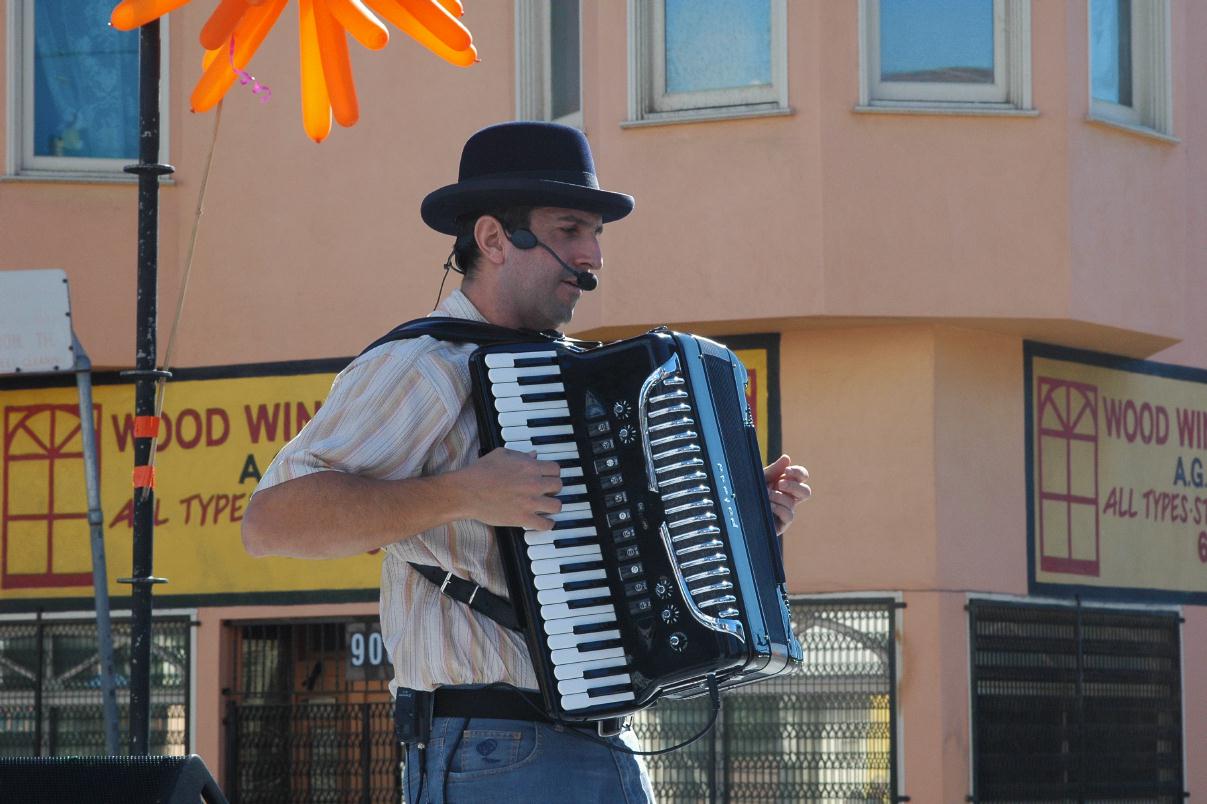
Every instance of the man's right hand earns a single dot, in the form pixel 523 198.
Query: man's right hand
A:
pixel 513 489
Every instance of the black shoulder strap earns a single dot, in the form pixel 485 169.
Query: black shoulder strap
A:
pixel 461 330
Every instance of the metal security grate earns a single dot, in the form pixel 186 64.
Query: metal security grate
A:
pixel 1075 704
pixel 299 729
pixel 826 733
pixel 50 688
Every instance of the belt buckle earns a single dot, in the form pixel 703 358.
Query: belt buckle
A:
pixel 448 576
pixel 611 726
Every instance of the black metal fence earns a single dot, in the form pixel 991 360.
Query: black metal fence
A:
pixel 50 687
pixel 300 729
pixel 1072 703
pixel 826 733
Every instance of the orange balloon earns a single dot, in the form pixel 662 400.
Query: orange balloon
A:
pixel 453 7
pixel 360 22
pixel 219 75
pixel 404 21
pixel 316 106
pixel 218 28
pixel 444 26
pixel 337 68
pixel 131 14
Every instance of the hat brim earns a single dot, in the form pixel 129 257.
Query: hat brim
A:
pixel 441 208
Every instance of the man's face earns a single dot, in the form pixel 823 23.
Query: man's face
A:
pixel 541 292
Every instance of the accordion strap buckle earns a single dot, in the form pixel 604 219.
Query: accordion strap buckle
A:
pixel 610 727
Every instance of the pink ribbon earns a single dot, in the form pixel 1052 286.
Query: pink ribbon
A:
pixel 246 78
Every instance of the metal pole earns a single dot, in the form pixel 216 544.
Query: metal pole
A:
pixel 148 170
pixel 96 525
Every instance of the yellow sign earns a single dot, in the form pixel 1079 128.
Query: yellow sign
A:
pixel 1117 484
pixel 216 437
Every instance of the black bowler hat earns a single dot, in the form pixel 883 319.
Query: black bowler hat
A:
pixel 523 164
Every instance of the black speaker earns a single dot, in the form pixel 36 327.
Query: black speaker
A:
pixel 107 780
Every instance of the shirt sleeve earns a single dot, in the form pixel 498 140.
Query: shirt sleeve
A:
pixel 383 416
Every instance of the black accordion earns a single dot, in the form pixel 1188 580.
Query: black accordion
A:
pixel 663 567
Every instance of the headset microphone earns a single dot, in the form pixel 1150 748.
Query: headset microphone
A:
pixel 524 239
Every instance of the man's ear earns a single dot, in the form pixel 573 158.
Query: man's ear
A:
pixel 491 239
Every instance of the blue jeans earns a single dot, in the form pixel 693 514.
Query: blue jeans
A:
pixel 498 761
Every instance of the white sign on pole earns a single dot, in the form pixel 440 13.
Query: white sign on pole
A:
pixel 35 322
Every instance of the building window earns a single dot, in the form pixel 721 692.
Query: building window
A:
pixel 1073 703
pixel 693 59
pixel 549 61
pixel 74 89
pixel 943 53
pixel 1129 63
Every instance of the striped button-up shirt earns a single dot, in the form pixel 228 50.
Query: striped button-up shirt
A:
pixel 403 410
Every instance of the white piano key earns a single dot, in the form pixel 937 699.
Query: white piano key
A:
pixel 572 513
pixel 565 455
pixel 540 551
pixel 560 611
pixel 505 389
pixel 573 685
pixel 524 433
pixel 547 596
pixel 576 669
pixel 504 359
pixel 568 491
pixel 564 625
pixel 570 640
pixel 509 374
pixel 542 450
pixel 512 403
pixel 583 700
pixel 557 580
pixel 572 471
pixel 549 566
pixel 550 536
pixel 522 418
pixel 568 655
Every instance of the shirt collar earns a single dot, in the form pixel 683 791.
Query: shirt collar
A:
pixel 458 305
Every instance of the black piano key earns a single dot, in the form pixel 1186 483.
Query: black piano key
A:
pixel 586 602
pixel 569 463
pixel 564 438
pixel 597 692
pixel 602 644
pixel 528 362
pixel 583 566
pixel 575 541
pixel 550 397
pixel 537 379
pixel 591 628
pixel 601 672
pixel 574 586
pixel 549 421
pixel 566 524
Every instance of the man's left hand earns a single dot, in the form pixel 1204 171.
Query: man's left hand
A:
pixel 787 486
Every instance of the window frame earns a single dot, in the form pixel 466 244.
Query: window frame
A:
pixel 1010 91
pixel 534 80
pixel 1152 71
pixel 650 103
pixel 20 161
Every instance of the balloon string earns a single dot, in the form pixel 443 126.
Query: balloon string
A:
pixel 160 391
pixel 246 78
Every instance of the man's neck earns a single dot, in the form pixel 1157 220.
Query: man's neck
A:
pixel 487 305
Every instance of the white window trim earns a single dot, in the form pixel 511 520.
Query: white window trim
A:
pixel 650 104
pixel 1152 70
pixel 19 159
pixel 1010 92
pixel 534 84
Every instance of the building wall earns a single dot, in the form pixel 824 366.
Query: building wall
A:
pixel 903 258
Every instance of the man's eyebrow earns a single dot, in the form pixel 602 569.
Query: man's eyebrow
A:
pixel 569 217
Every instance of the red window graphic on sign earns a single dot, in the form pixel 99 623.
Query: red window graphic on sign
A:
pixel 44 535
pixel 1067 470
